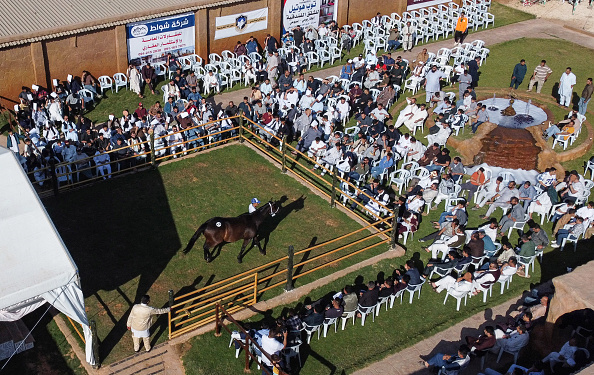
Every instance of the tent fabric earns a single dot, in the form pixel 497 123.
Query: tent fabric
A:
pixel 35 261
pixel 11 316
pixel 69 300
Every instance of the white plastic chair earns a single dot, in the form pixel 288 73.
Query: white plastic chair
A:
pixel 412 289
pixel 527 262
pixel 349 315
pixel 310 330
pixel 120 80
pixel 458 296
pixel 324 57
pixel 504 281
pixel 328 322
pixel 312 58
pixel 399 178
pixel 105 82
pixel 366 310
pixel 517 225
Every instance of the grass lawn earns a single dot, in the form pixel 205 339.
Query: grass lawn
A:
pixel 125 234
pixel 400 327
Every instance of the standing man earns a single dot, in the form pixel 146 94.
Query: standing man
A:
pixel 149 75
pixel 464 81
pixel 461 29
pixel 431 84
pixel 473 70
pixel 540 76
pixel 140 320
pixel 566 84
pixel 407 36
pixel 518 74
pixel 585 99
pixel 272 66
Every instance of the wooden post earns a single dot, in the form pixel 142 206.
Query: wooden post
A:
pixel 290 254
pixel 240 126
pixel 246 350
pixel 394 234
pixel 333 195
pixel 284 154
pixel 52 163
pixel 169 314
pixel 95 344
pixel 152 138
pixel 217 321
pixel 255 287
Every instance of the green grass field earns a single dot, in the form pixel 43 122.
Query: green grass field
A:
pixel 125 235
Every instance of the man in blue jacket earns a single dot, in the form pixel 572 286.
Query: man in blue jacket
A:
pixel 518 74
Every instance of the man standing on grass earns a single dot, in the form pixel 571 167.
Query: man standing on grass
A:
pixel 518 74
pixel 540 76
pixel 140 320
pixel 566 84
pixel 585 98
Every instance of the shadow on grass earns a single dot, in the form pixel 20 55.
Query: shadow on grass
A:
pixel 109 227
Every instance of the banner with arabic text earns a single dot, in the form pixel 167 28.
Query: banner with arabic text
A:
pixel 304 13
pixel 151 40
pixel 243 23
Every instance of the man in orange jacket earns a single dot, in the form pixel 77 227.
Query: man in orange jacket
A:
pixel 461 29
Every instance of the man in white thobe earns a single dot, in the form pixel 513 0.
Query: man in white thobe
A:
pixel 418 118
pixel 566 84
pixel 432 82
pixel 407 113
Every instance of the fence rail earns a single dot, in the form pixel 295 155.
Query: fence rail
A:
pixel 195 309
pixel 198 308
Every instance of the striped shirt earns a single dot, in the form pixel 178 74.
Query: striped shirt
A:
pixel 541 72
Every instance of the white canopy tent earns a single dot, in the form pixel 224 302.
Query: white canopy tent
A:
pixel 36 266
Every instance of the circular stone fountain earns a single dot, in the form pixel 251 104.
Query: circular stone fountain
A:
pixel 510 144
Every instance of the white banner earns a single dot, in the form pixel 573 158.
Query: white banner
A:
pixel 244 23
pixel 150 41
pixel 304 13
pixel 417 4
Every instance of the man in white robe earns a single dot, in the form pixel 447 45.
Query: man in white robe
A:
pixel 566 84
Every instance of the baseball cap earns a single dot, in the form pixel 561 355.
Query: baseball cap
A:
pixel 255 200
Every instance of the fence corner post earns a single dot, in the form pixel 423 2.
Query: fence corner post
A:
pixel 170 292
pixel 290 254
pixel 393 234
pixel 52 165
pixel 152 138
pixel 284 154
pixel 334 181
pixel 241 119
pixel 93 327
pixel 217 320
pixel 246 349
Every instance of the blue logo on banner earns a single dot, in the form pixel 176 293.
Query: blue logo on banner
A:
pixel 241 22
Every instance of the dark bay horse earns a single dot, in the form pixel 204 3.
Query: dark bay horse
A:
pixel 221 230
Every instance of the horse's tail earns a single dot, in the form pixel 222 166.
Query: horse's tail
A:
pixel 195 237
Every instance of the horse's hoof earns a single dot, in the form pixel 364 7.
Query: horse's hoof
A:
pixel 263 252
pixel 208 260
pixel 239 260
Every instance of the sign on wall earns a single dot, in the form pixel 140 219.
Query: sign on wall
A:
pixel 416 4
pixel 308 13
pixel 243 23
pixel 152 40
